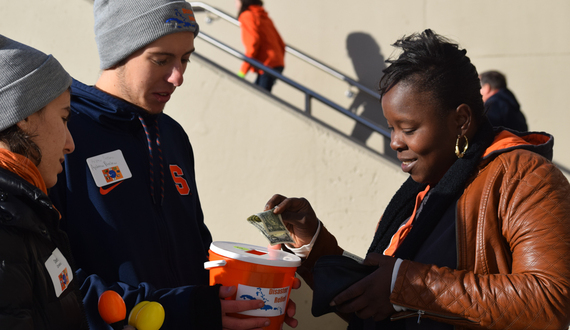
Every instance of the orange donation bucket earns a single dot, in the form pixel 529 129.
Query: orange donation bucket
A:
pixel 257 273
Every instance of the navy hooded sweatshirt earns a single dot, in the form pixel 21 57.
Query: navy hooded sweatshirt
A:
pixel 503 109
pixel 130 207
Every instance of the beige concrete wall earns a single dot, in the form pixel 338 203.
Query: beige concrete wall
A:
pixel 528 40
pixel 248 147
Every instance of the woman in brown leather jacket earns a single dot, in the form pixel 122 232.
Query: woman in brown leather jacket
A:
pixel 479 234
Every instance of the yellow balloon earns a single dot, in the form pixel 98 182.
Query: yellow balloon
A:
pixel 150 316
pixel 135 311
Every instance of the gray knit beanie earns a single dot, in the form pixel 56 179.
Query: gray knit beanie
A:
pixel 125 26
pixel 29 80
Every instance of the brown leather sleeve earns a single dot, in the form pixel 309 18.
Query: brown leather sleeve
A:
pixel 516 218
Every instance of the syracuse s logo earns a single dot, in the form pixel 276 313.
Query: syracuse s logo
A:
pixel 178 177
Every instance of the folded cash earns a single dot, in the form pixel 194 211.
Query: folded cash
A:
pixel 272 227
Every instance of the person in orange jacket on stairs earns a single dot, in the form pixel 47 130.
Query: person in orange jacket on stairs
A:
pixel 261 40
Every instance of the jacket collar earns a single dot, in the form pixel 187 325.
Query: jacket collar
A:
pixel 106 109
pixel 23 205
pixel 507 140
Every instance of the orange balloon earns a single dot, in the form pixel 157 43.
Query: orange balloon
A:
pixel 112 307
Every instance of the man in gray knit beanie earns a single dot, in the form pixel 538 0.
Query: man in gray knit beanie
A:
pixel 130 198
pixel 24 72
pixel 122 27
pixel 133 38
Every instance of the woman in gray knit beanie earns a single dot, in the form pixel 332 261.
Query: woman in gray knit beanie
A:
pixel 36 276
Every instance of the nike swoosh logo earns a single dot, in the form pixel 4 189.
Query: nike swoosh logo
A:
pixel 108 190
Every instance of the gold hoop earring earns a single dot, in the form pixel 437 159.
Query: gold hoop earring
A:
pixel 461 154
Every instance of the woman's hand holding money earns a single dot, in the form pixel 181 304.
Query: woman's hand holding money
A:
pixel 298 216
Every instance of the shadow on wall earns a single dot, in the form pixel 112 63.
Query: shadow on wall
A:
pixel 368 63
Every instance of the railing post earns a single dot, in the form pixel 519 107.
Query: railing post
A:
pixel 308 98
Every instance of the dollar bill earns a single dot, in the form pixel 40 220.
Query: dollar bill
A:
pixel 271 226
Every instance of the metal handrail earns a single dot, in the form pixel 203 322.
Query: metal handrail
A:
pixel 309 94
pixel 197 6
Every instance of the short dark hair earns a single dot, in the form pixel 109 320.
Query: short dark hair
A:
pixel 495 79
pixel 20 142
pixel 246 3
pixel 432 63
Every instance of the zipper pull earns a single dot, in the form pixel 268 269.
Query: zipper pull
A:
pixel 420 313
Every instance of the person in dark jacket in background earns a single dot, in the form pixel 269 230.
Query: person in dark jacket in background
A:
pixel 128 196
pixel 37 285
pixel 261 40
pixel 501 105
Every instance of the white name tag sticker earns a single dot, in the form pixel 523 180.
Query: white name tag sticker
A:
pixel 109 168
pixel 59 271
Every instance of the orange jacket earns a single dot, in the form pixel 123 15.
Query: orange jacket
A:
pixel 261 40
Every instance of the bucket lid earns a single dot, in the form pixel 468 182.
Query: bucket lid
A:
pixel 255 254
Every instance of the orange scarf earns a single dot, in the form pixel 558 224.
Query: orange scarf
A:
pixel 22 167
pixel 403 231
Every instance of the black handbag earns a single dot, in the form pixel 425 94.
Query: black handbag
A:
pixel 332 275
